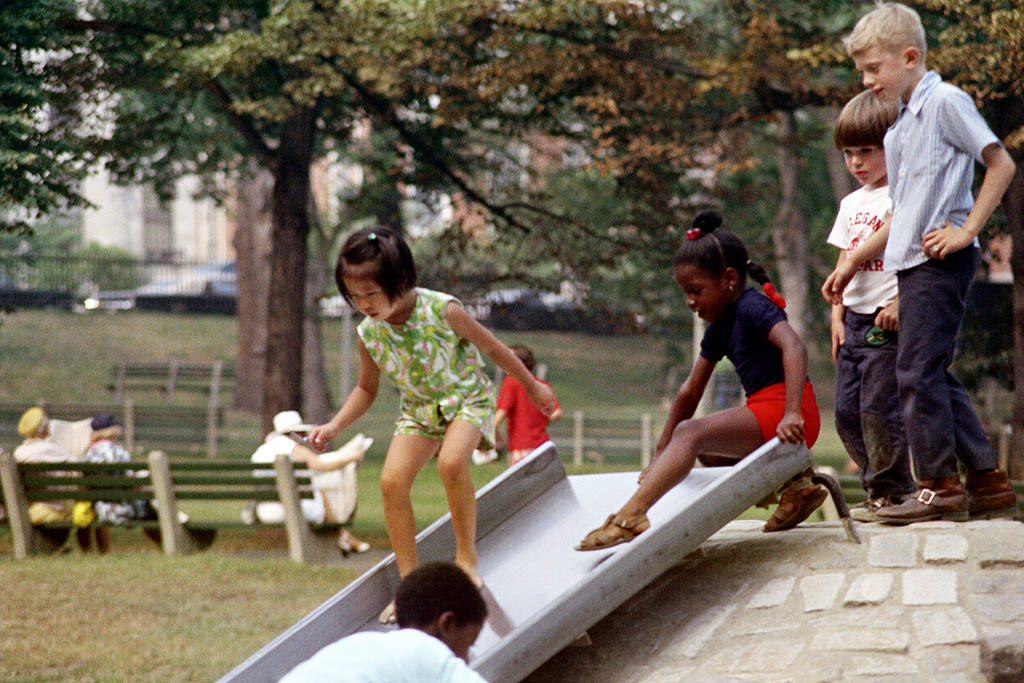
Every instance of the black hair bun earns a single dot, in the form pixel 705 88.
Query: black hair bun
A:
pixel 707 221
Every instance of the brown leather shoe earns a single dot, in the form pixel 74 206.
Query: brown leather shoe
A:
pixel 941 498
pixel 990 495
pixel 798 499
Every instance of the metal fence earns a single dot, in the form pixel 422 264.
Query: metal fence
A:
pixel 60 280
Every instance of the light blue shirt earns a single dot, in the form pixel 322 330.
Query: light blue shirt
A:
pixel 407 655
pixel 929 157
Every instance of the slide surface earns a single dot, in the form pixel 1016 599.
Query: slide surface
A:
pixel 541 594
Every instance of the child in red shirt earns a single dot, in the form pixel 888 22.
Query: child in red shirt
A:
pixel 527 426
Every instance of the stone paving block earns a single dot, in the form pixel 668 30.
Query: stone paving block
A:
pixel 880 665
pixel 929 587
pixel 950 663
pixel 886 615
pixel 998 550
pixel 943 626
pixel 868 640
pixel 697 633
pixel 868 589
pixel 944 548
pixel 893 550
pixel 999 608
pixel 772 594
pixel 759 657
pixel 1002 581
pixel 820 590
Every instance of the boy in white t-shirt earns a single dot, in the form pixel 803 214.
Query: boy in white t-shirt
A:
pixel 864 326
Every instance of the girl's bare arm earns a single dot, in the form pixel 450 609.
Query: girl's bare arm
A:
pixel 356 405
pixel 794 367
pixel 466 327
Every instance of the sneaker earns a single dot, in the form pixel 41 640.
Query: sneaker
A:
pixel 483 457
pixel 867 511
pixel 990 495
pixel 942 498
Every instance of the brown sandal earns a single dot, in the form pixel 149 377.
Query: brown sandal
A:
pixel 799 498
pixel 614 531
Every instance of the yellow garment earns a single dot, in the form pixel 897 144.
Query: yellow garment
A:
pixel 82 514
pixel 47 513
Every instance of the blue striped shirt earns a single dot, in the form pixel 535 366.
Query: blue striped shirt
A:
pixel 929 157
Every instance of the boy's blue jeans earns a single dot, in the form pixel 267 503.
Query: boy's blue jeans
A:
pixel 940 421
pixel 868 408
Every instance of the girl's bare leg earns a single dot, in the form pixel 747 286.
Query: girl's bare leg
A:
pixel 406 456
pixel 453 466
pixel 730 431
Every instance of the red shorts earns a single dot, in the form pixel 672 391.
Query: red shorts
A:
pixel 769 405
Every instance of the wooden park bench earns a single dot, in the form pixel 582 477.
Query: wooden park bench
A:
pixel 166 483
pixel 192 429
pixel 170 378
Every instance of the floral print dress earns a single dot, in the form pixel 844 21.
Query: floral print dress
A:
pixel 440 375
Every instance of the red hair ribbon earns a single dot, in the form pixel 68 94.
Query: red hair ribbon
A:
pixel 776 298
pixel 694 233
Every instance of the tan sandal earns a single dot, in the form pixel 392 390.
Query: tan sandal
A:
pixel 799 498
pixel 614 531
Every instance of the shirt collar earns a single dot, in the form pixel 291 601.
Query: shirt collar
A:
pixel 921 92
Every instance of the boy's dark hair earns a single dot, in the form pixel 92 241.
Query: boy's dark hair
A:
pixel 433 589
pixel 524 354
pixel 379 254
pixel 864 120
pixel 715 250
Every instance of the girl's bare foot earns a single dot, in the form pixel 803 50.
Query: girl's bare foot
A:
pixel 472 572
pixel 387 616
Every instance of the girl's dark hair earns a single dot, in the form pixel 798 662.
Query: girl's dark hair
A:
pixel 433 589
pixel 715 250
pixel 378 254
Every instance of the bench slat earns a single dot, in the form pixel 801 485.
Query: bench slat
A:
pixel 167 483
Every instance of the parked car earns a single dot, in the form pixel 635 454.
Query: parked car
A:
pixel 208 287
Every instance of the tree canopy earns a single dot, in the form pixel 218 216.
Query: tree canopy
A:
pixel 581 137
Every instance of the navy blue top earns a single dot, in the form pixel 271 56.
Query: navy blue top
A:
pixel 741 335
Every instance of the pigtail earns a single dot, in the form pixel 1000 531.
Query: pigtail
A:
pixel 759 275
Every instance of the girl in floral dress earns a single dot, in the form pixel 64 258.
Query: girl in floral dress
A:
pixel 429 346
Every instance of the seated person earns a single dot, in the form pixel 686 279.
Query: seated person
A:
pixel 34 425
pixel 440 613
pixel 334 478
pixel 106 447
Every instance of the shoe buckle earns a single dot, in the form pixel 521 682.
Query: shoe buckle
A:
pixel 926 496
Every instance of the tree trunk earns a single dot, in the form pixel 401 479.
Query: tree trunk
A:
pixel 1013 206
pixel 282 389
pixel 316 405
pixel 252 263
pixel 789 230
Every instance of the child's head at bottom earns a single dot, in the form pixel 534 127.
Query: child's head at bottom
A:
pixel 379 255
pixel 440 599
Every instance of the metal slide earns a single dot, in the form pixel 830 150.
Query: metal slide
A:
pixel 541 594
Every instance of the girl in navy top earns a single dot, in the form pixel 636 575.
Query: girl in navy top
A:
pixel 750 329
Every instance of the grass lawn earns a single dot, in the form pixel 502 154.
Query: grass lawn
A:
pixel 138 615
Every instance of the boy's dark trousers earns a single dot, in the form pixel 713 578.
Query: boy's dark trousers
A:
pixel 868 408
pixel 940 422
